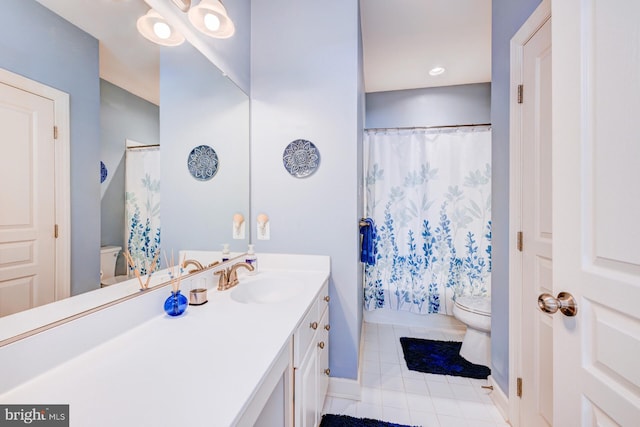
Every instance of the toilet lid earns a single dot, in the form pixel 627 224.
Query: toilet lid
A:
pixel 475 304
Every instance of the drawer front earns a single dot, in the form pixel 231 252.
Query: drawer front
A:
pixel 310 325
pixel 304 335
pixel 323 299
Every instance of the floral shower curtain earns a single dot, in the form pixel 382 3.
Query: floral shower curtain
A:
pixel 429 194
pixel 142 205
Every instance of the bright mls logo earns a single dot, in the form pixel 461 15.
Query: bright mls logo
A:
pixel 36 415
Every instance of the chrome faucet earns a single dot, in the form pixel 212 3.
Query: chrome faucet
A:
pixel 193 262
pixel 197 264
pixel 229 276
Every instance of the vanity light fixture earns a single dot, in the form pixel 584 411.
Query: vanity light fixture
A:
pixel 183 5
pixel 155 28
pixel 211 18
pixel 436 71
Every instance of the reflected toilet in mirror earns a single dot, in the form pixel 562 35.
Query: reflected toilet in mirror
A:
pixel 108 260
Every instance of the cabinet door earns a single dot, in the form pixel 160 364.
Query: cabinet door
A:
pixel 323 362
pixel 306 391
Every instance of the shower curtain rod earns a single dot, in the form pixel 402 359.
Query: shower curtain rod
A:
pixel 433 127
pixel 133 147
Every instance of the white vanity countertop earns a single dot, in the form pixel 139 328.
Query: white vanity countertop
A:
pixel 199 369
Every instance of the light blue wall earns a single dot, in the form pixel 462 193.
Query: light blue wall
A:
pixel 41 46
pixel 201 107
pixel 123 116
pixel 507 17
pixel 305 83
pixel 436 106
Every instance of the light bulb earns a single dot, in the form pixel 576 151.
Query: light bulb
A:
pixel 436 71
pixel 162 30
pixel 212 22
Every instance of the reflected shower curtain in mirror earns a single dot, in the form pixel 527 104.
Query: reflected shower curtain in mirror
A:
pixel 142 204
pixel 429 193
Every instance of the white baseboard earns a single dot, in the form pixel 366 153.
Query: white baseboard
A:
pixel 344 388
pixel 405 318
pixel 499 399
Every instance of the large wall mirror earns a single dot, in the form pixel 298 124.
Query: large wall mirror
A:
pixel 122 109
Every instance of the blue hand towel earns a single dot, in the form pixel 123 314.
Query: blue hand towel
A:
pixel 368 231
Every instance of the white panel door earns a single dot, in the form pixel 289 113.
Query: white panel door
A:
pixel 537 327
pixel 27 213
pixel 596 210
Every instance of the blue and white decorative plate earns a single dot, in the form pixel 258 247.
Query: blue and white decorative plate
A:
pixel 103 172
pixel 301 158
pixel 203 163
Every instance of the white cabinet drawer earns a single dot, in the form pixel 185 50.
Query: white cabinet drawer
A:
pixel 305 333
pixel 323 299
pixel 310 325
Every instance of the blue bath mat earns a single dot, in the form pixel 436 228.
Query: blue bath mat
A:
pixel 330 420
pixel 440 357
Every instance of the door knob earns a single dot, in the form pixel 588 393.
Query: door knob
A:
pixel 565 302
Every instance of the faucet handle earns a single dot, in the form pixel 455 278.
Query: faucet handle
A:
pixel 224 279
pixel 229 276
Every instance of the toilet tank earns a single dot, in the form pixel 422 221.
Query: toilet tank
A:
pixel 108 258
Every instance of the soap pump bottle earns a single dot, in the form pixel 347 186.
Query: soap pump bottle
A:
pixel 252 259
pixel 225 252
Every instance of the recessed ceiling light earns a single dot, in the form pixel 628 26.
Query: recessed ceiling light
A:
pixel 436 71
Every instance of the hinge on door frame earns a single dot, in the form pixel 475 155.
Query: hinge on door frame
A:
pixel 55 231
pixel 520 94
pixel 519 387
pixel 55 132
pixel 519 241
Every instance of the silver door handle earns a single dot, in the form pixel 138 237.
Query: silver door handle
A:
pixel 565 302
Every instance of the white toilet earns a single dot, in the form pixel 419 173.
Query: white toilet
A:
pixel 108 259
pixel 475 312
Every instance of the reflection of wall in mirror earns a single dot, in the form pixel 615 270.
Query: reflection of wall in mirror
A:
pixel 36 43
pixel 122 116
pixel 200 106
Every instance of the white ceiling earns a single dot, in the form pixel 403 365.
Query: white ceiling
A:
pixel 402 41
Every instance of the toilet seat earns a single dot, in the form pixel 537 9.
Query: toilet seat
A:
pixel 474 311
pixel 480 305
pixel 113 280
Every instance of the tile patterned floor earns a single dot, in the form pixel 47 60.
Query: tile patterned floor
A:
pixel 393 393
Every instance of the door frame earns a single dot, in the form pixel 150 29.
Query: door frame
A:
pixel 537 19
pixel 62 175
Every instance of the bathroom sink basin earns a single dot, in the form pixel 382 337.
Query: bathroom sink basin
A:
pixel 266 291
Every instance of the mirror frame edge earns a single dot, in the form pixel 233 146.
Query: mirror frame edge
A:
pixel 104 306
